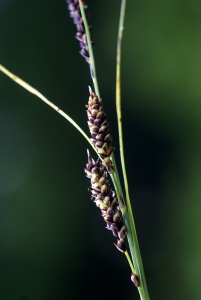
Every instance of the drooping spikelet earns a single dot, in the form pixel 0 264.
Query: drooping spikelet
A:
pixel 98 126
pixel 105 199
pixel 75 14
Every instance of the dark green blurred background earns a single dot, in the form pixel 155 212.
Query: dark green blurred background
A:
pixel 53 244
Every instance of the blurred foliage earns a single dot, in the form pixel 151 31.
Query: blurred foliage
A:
pixel 53 241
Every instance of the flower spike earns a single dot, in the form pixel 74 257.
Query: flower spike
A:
pixel 99 129
pixel 105 199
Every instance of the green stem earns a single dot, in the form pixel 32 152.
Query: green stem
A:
pixel 132 237
pixel 32 90
pixel 128 215
pixel 90 49
pixel 130 262
pixel 118 95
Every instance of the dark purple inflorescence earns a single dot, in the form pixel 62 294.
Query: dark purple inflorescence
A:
pixel 99 129
pixel 75 14
pixel 105 199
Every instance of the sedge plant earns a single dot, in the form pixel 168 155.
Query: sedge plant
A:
pixel 115 206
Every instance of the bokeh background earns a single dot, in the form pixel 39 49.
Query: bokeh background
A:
pixel 53 244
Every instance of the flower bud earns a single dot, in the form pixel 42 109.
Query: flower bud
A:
pixel 135 279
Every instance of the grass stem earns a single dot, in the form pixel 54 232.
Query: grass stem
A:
pixel 43 98
pixel 90 49
pixel 128 217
